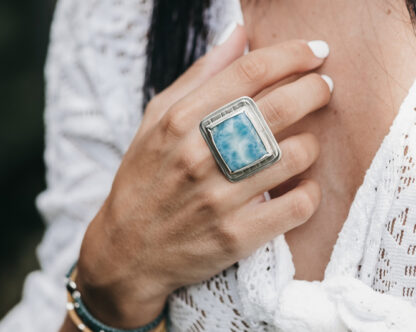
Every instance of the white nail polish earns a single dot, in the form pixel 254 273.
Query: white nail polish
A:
pixel 328 81
pixel 226 34
pixel 267 196
pixel 246 49
pixel 320 48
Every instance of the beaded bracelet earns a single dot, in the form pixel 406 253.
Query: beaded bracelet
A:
pixel 85 322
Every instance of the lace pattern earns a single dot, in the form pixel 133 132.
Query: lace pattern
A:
pixel 94 76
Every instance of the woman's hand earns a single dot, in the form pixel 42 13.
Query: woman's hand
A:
pixel 172 218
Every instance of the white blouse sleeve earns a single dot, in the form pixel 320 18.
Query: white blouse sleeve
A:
pixel 94 77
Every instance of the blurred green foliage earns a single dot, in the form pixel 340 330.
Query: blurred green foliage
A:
pixel 24 32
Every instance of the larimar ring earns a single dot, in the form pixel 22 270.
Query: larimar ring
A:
pixel 240 139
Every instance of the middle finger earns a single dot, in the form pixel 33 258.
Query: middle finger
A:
pixel 245 77
pixel 289 103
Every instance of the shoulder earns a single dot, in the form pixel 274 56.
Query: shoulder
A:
pixel 220 15
pixel 97 58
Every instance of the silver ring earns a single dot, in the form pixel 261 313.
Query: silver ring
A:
pixel 240 139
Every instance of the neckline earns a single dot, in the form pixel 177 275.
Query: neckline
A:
pixel 352 228
pixel 366 218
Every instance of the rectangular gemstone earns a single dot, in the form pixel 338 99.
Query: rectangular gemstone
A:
pixel 237 142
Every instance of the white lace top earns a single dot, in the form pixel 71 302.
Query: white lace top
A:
pixel 94 76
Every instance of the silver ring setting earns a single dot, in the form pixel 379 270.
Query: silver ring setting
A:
pixel 240 139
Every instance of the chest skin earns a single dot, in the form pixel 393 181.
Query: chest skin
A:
pixel 369 46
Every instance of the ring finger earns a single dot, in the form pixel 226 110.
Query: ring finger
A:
pixel 289 103
pixel 283 107
pixel 299 152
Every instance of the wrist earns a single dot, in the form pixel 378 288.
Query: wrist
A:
pixel 116 306
pixel 109 291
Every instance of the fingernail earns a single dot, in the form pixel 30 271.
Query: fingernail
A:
pixel 328 81
pixel 226 34
pixel 267 196
pixel 320 48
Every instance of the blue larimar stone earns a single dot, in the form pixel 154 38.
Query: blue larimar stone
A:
pixel 238 142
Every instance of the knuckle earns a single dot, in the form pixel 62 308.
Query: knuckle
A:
pixel 190 165
pixel 275 112
pixel 250 68
pixel 172 123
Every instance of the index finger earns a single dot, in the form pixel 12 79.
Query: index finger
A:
pixel 249 75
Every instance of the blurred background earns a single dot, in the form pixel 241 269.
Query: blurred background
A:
pixel 24 32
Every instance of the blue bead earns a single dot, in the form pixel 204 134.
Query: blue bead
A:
pixel 237 142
